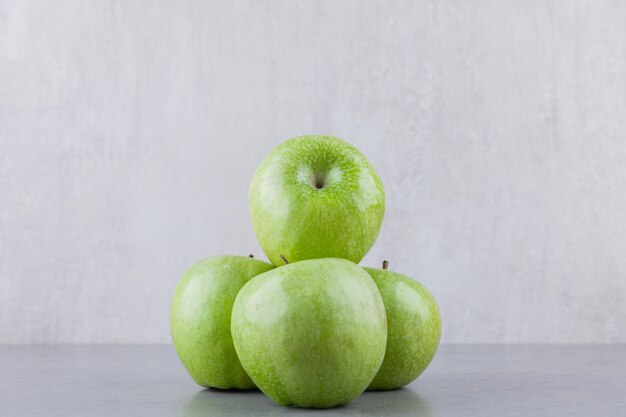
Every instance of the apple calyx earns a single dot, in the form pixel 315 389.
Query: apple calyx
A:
pixel 385 264
pixel 251 255
pixel 284 259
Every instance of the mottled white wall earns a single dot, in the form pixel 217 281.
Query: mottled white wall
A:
pixel 129 131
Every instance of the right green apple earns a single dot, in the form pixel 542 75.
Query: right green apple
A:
pixel 413 328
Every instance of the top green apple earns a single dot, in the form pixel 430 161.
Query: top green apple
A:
pixel 316 197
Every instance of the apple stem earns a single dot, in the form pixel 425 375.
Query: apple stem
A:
pixel 284 258
pixel 385 264
pixel 251 255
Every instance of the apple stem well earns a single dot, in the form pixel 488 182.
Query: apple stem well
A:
pixel 318 180
pixel 385 264
pixel 284 258
pixel 251 255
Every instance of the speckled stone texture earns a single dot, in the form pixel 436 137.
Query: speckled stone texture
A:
pixel 129 133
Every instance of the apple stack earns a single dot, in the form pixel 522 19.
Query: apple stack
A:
pixel 311 329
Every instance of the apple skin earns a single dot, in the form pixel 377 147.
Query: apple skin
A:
pixel 311 333
pixel 200 319
pixel 413 329
pixel 316 197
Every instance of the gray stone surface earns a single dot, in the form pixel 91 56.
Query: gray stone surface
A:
pixel 464 380
pixel 129 131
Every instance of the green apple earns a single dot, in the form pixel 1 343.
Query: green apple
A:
pixel 200 319
pixel 316 197
pixel 311 333
pixel 413 328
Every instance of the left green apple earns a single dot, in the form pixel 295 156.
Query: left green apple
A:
pixel 200 319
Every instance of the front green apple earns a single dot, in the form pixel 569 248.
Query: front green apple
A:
pixel 413 328
pixel 311 333
pixel 316 197
pixel 200 319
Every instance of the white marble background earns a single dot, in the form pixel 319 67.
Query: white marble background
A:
pixel 129 131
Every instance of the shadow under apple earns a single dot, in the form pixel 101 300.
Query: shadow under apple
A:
pixel 401 402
